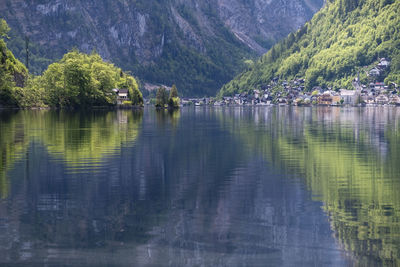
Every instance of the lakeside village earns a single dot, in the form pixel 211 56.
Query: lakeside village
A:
pixel 373 94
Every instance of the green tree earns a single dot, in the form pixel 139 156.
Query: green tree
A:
pixel 173 92
pixel 78 83
pixel 136 98
pixel 6 88
pixel 161 97
pixel 173 100
pixel 4 29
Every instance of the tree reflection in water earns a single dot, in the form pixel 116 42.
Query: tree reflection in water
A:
pixel 349 160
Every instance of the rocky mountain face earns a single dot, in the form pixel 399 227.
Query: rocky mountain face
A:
pixel 197 44
pixel 260 23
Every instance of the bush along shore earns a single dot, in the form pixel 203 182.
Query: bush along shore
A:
pixel 78 80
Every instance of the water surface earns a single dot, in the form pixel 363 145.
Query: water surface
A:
pixel 278 186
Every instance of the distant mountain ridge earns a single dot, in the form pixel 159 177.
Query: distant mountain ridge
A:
pixel 343 40
pixel 197 44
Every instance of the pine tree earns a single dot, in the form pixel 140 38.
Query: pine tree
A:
pixel 173 101
pixel 137 98
pixel 173 92
pixel 161 97
pixel 4 29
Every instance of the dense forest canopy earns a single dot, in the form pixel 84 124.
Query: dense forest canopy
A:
pixel 345 38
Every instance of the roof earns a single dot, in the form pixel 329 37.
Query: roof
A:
pixel 123 91
pixel 344 92
pixel 327 93
pixel 374 70
pixel 379 83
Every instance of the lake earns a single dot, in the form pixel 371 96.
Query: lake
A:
pixel 245 186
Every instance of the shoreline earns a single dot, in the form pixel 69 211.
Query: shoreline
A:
pixel 74 109
pixel 288 105
pixel 137 108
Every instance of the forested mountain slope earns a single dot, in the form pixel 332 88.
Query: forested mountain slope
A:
pixel 12 72
pixel 197 44
pixel 341 40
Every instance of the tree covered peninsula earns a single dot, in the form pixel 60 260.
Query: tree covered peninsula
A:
pixel 344 39
pixel 78 80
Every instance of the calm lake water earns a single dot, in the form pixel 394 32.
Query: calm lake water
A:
pixel 271 186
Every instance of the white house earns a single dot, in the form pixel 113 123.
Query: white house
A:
pixel 122 96
pixel 349 97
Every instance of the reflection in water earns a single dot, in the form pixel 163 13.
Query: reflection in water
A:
pixel 172 116
pixel 349 159
pixel 80 140
pixel 207 187
pixel 12 145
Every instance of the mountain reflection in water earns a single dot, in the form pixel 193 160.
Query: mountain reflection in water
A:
pixel 209 187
